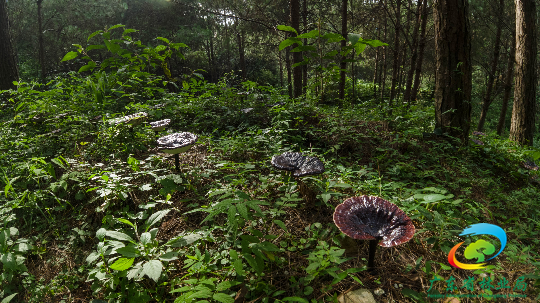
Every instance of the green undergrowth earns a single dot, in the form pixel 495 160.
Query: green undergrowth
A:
pixel 92 210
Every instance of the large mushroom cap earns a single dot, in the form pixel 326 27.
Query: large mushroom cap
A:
pixel 372 218
pixel 301 165
pixel 177 142
pixel 133 119
pixel 160 125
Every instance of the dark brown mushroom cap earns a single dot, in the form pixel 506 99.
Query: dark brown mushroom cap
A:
pixel 176 141
pixel 300 164
pixel 372 218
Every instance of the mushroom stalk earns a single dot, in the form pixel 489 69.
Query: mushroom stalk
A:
pixel 372 249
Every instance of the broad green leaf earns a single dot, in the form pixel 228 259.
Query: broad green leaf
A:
pixel 115 26
pixel 146 238
pixel 9 261
pixel 231 214
pixel 70 56
pixel 119 236
pixel 129 251
pixel 242 210
pixel 92 257
pixel 96 46
pixel 286 43
pixel 184 240
pixel 253 263
pixel 128 31
pixel 237 264
pixel 287 28
pixel 93 34
pixel 163 39
pixel 234 254
pixel 101 233
pixel 434 198
pixel 153 269
pixel 224 298
pixel 10 297
pixel 360 47
pixel 312 34
pixel 126 222
pixel 87 67
pixel 226 285
pixel 333 37
pixel 170 256
pixel 160 48
pixel 122 264
pixel 204 293
pixel 156 217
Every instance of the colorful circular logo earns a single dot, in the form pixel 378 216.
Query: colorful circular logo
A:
pixel 480 248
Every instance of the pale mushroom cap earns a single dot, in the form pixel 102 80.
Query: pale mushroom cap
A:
pixel 372 218
pixel 177 142
pixel 300 164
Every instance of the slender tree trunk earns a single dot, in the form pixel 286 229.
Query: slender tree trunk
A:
pixel 213 68
pixel 280 69
pixel 524 111
pixel 343 64
pixel 494 64
pixel 8 65
pixel 289 70
pixel 383 78
pixel 508 81
pixel 377 58
pixel 395 67
pixel 421 47
pixel 410 74
pixel 297 56
pixel 305 67
pixel 41 47
pixel 241 50
pixel 453 81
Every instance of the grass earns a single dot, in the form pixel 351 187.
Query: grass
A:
pixel 229 224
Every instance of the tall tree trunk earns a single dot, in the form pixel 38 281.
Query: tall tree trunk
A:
pixel 305 67
pixel 508 81
pixel 410 74
pixel 377 58
pixel 241 50
pixel 343 64
pixel 453 81
pixel 494 64
pixel 213 68
pixel 8 65
pixel 297 56
pixel 383 77
pixel 280 69
pixel 41 47
pixel 421 47
pixel 289 70
pixel 524 111
pixel 395 67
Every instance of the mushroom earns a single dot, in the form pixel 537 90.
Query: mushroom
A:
pixel 374 219
pixel 132 120
pixel 158 126
pixel 176 143
pixel 247 110
pixel 300 166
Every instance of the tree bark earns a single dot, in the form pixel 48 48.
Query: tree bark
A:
pixel 453 82
pixel 410 74
pixel 507 83
pixel 240 37
pixel 41 47
pixel 289 70
pixel 305 67
pixel 395 67
pixel 343 64
pixel 494 63
pixel 297 56
pixel 524 110
pixel 421 47
pixel 8 65
pixel 383 77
